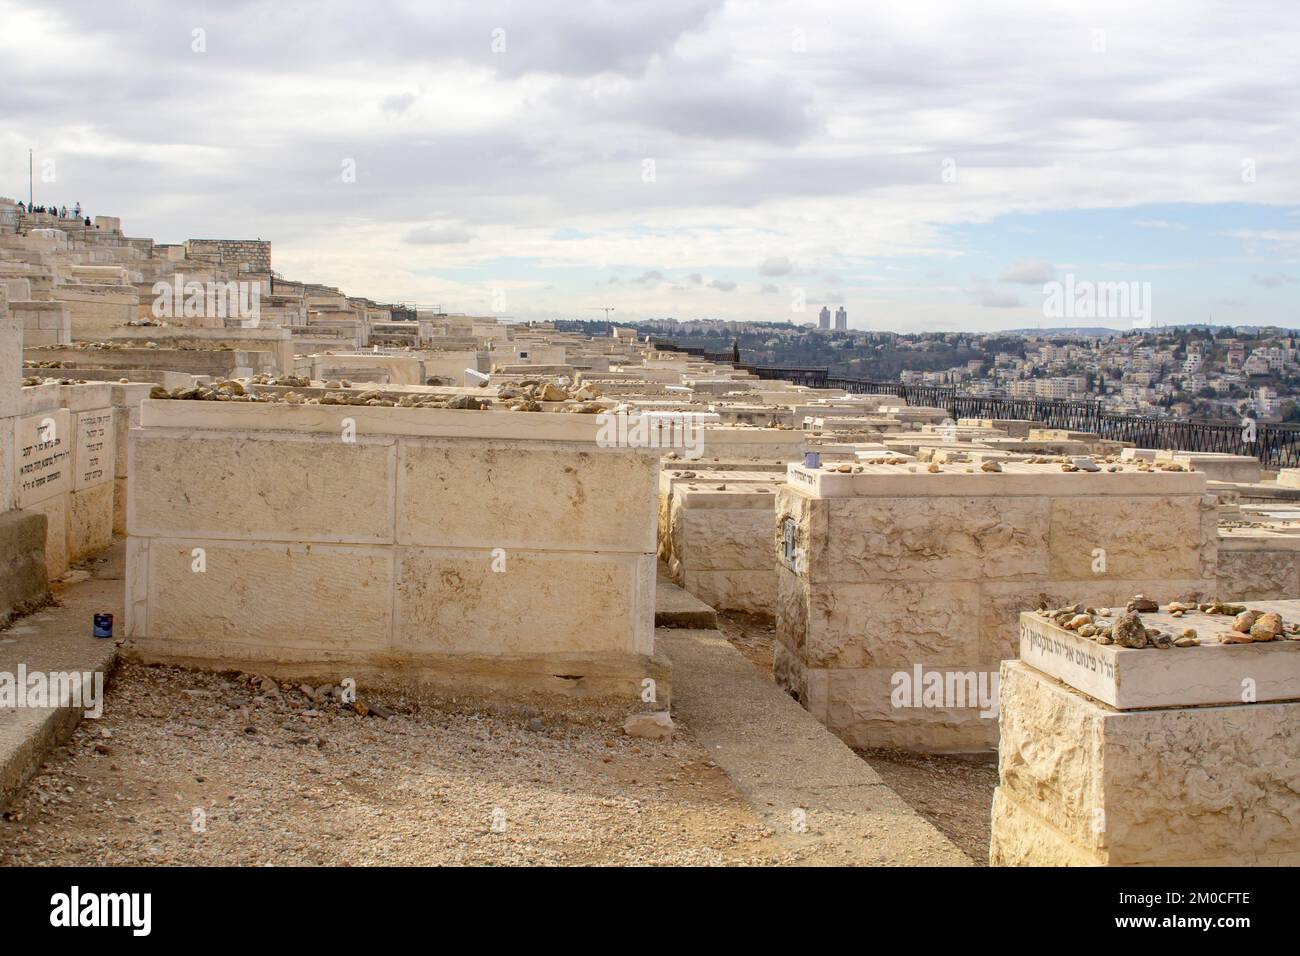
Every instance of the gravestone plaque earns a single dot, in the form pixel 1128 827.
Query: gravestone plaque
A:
pixel 43 456
pixel 1131 679
pixel 93 459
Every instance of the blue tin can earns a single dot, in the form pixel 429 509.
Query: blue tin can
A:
pixel 812 459
pixel 103 625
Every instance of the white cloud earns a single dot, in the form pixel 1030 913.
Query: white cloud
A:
pixel 832 156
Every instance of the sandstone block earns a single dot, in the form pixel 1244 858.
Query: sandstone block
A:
pixel 937 539
pixel 452 601
pixel 259 487
pixel 1151 537
pixel 1082 783
pixel 268 597
pixel 494 495
pixel 90 520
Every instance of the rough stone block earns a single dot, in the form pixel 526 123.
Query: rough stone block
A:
pixel 865 708
pixel 1082 783
pixel 751 591
pixel 509 495
pixel 1268 572
pixel 56 533
pixel 452 601
pixel 936 539
pixel 90 520
pixel 1151 537
pixel 22 556
pixel 261 487
pixel 893 624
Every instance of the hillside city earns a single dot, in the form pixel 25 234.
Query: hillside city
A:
pixel 1204 373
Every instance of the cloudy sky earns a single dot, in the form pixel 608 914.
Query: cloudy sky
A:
pixel 928 165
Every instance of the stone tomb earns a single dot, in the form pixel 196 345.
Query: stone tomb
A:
pixel 1259 563
pixel 888 575
pixel 1176 757
pixel 93 466
pixel 716 537
pixel 1217 466
pixel 475 552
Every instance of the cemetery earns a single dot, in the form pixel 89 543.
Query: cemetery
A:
pixel 347 523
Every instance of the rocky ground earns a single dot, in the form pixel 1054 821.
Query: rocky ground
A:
pixel 195 768
pixel 750 634
pixel 953 793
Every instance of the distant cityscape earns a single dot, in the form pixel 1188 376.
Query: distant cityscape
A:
pixel 1210 373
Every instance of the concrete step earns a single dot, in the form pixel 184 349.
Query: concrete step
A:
pixel 56 640
pixel 789 767
pixel 675 607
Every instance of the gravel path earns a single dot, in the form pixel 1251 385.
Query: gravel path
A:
pixel 194 768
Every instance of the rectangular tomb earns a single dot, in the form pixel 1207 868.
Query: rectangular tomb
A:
pixel 901 567
pixel 719 542
pixel 1196 766
pixel 475 552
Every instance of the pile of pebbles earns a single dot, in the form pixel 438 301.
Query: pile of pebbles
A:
pixel 1126 628
pixel 527 397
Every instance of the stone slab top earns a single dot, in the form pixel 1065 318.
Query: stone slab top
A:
pixel 705 475
pixel 1259 539
pixel 728 465
pixel 160 333
pixel 717 496
pixel 1142 678
pixel 84 396
pixel 376 420
pixel 963 479
pixel 1173 454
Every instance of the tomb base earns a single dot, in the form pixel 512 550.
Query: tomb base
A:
pixel 1083 784
pixel 617 679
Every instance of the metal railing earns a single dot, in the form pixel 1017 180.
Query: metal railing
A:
pixel 1276 446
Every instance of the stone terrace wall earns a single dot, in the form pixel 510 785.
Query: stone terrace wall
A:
pixel 470 551
pixel 898 569
pixel 243 255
